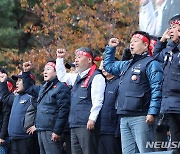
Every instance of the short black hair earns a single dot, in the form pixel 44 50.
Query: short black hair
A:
pixel 142 33
pixel 2 70
pixel 53 61
pixel 174 18
pixel 153 37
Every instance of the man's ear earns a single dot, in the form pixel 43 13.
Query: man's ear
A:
pixel 90 60
pixel 146 45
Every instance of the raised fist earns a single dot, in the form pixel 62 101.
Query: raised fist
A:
pixel 27 66
pixel 61 53
pixel 113 42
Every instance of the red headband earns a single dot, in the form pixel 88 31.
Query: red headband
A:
pixel 151 46
pixel 84 53
pixel 51 64
pixel 176 22
pixel 142 37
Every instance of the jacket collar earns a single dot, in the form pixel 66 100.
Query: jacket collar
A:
pixel 52 81
pixel 84 73
pixel 137 57
pixel 172 46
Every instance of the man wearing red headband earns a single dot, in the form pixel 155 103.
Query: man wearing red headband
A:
pixel 127 53
pixel 139 92
pixel 53 102
pixel 168 53
pixel 87 96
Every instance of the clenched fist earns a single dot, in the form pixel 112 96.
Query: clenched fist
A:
pixel 113 42
pixel 61 53
pixel 27 66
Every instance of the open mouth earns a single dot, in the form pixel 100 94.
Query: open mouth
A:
pixel 131 48
pixel 171 36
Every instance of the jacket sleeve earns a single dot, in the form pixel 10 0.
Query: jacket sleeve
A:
pixel 63 101
pixel 6 100
pixel 62 75
pixel 154 73
pixel 159 52
pixel 111 66
pixel 5 96
pixel 162 48
pixel 29 87
pixel 29 118
pixel 6 110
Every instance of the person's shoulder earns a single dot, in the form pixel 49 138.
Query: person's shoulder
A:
pixel 154 62
pixel 98 73
pixel 22 98
pixel 62 85
pixel 25 95
pixel 155 65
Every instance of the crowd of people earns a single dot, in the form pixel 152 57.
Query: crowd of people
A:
pixel 119 108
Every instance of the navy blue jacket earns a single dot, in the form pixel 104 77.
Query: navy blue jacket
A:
pixel 169 56
pixel 53 103
pixel 108 119
pixel 81 103
pixel 5 111
pixel 20 103
pixel 132 99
